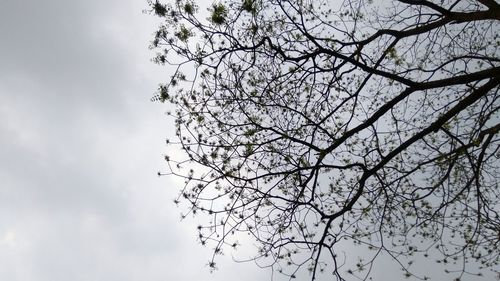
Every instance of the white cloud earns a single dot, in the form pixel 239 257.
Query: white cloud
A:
pixel 8 239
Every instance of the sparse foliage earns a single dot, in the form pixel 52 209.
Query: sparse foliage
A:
pixel 306 123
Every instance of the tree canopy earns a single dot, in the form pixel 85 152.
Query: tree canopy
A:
pixel 306 123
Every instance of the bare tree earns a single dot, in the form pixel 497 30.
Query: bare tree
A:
pixel 305 123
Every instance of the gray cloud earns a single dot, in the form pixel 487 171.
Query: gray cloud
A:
pixel 80 144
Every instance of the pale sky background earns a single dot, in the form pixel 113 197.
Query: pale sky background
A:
pixel 80 145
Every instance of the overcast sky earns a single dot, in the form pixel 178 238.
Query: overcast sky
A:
pixel 80 145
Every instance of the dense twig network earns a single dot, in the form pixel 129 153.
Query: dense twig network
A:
pixel 306 123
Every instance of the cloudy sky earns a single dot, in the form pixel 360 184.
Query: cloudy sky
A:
pixel 80 145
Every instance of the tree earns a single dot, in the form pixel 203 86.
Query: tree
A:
pixel 305 123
